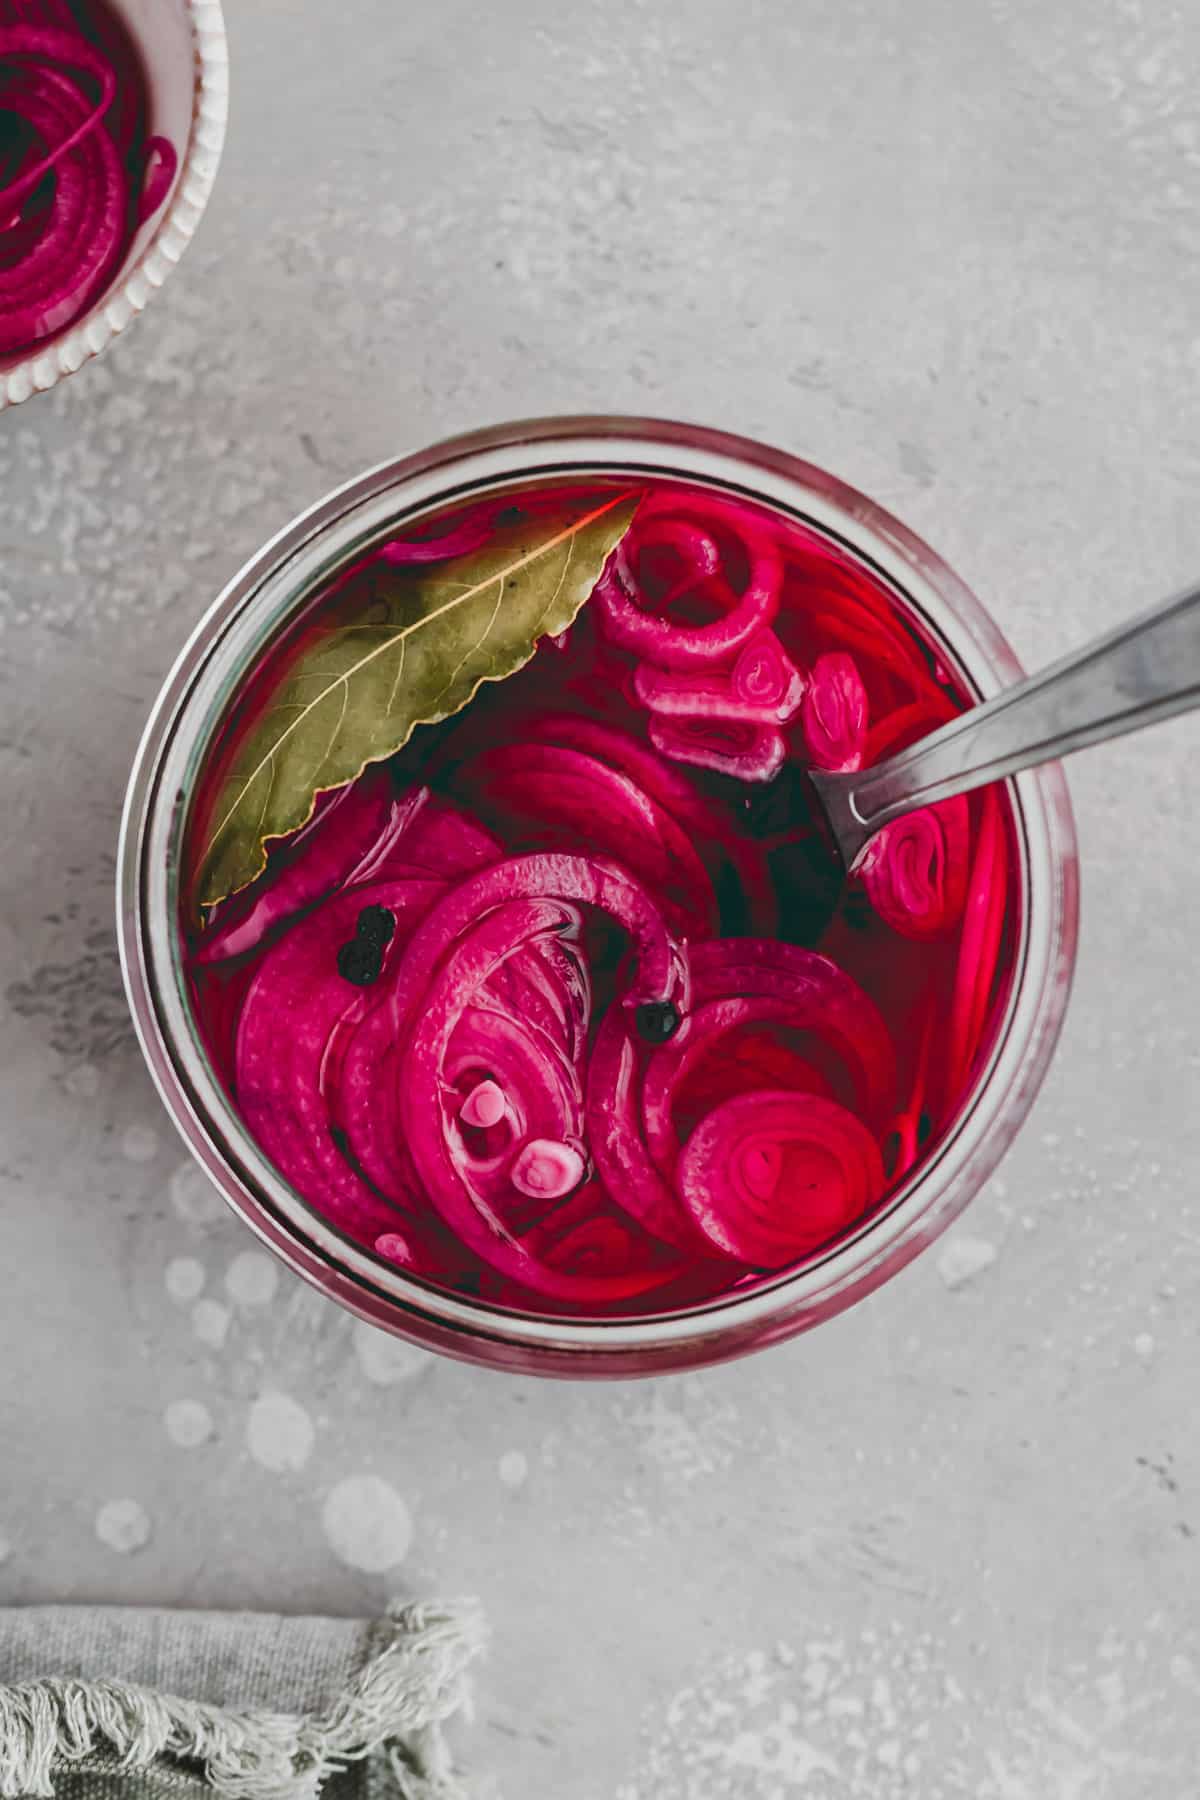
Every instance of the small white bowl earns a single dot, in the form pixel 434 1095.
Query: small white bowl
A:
pixel 186 63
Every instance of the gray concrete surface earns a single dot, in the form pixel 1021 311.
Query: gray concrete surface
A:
pixel 948 1546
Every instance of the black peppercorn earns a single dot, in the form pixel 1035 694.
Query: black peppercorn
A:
pixel 360 963
pixel 657 1020
pixel 376 925
pixel 361 960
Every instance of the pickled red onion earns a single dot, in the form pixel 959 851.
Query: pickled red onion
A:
pixel 746 968
pixel 294 1006
pixel 728 746
pixel 476 1219
pixel 636 621
pixel 834 713
pixel 548 1169
pixel 712 1028
pixel 314 863
pixel 20 44
pixel 764 675
pixel 660 971
pixel 771 1176
pixel 614 1133
pixel 915 870
pixel 358 834
pixel 664 784
pixel 769 691
pixel 724 849
pixel 484 1105
pixel 544 790
pixel 983 928
pixel 67 206
pixel 589 1239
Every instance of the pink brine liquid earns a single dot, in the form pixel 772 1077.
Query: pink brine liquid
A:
pixel 567 1005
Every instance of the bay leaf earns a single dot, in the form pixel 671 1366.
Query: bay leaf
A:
pixel 409 647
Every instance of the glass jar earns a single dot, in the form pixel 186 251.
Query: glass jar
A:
pixel 228 643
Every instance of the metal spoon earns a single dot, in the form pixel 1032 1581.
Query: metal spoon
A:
pixel 1146 670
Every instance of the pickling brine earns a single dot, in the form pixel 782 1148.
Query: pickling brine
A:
pixel 510 929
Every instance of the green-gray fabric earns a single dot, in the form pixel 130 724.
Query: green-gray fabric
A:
pixel 110 1703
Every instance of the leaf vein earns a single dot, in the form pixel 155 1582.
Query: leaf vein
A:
pixel 471 650
pixel 396 681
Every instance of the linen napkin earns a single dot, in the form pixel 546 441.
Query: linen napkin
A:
pixel 115 1703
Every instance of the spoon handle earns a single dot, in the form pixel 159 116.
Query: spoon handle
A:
pixel 1145 670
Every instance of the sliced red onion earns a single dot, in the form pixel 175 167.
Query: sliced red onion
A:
pixel 712 1039
pixel 979 946
pixel 767 695
pixel 915 871
pixel 536 1075
pixel 484 1106
pixel 906 724
pixel 689 551
pixel 393 846
pixel 742 986
pixel 467 534
pixel 296 1003
pixel 588 1237
pixel 538 1079
pixel 58 253
pixel 445 1176
pixel 433 837
pixel 756 1056
pixel 708 825
pixel 547 1169
pixel 361 1096
pixel 664 784
pixel 761 968
pixel 770 1176
pixel 162 166
pixel 614 1134
pixel 542 1103
pixel 546 985
pixel 547 789
pixel 26 48
pixel 637 625
pixel 765 676
pixel 363 1090
pixel 660 971
pixel 358 834
pixel 747 752
pixel 834 714
pixel 890 661
pixel 463 536
pixel 70 253
pixel 836 611
pixel 441 543
pixel 321 857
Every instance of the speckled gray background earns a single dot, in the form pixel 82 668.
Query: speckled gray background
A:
pixel 947 1547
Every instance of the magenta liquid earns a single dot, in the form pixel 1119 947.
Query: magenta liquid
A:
pixel 566 1005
